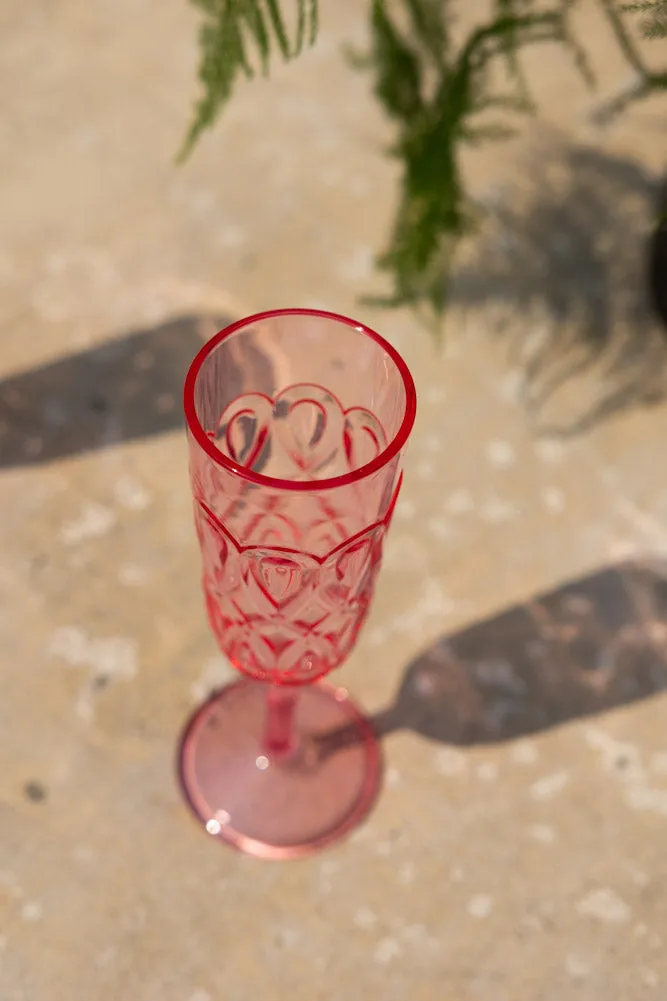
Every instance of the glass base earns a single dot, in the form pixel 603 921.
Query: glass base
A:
pixel 288 805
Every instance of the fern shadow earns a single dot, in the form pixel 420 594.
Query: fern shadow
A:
pixel 563 269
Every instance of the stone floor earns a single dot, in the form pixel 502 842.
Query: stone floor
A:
pixel 517 849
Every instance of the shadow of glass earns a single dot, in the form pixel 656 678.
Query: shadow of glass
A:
pixel 566 261
pixel 586 647
pixel 121 390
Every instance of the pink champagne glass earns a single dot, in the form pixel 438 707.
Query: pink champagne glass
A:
pixel 296 420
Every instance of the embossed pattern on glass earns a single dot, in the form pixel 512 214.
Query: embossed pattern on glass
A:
pixel 296 422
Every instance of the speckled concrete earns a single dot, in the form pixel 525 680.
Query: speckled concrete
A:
pixel 499 865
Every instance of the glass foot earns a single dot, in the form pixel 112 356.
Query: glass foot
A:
pixel 286 806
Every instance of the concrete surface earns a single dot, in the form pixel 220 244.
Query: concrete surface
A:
pixel 502 863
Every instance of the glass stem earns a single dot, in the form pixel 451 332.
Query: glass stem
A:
pixel 280 734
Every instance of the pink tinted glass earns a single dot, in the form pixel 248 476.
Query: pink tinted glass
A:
pixel 296 420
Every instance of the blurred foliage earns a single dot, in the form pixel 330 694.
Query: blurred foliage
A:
pixel 439 94
pixel 440 97
pixel 654 17
pixel 231 34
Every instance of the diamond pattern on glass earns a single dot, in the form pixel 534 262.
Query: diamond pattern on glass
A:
pixel 288 580
pixel 281 614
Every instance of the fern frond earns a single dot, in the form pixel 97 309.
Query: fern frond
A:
pixel 655 24
pixel 398 75
pixel 428 19
pixel 231 31
pixel 434 211
pixel 510 45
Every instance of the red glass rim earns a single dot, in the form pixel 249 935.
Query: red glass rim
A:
pixel 204 442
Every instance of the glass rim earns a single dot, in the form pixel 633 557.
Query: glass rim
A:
pixel 259 479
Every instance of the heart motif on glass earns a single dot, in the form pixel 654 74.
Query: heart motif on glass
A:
pixel 281 578
pixel 306 423
pixel 282 612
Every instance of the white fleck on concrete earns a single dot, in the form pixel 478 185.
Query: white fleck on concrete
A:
pixel 542 833
pixel 647 800
pixel 659 762
pixel 449 761
pixel 414 933
pixel 392 777
pixel 500 454
pixel 93 522
pixel 431 602
pixel 403 553
pixel 604 904
pixel 200 995
pixel 358 264
pixel 231 237
pixel 406 873
pixel 113 656
pixel 133 575
pixel 405 509
pixel 288 938
pixel 621 549
pixel 9 882
pixel 386 950
pixel 495 510
pixel 440 529
pixel 549 786
pixel 215 673
pixel 649 977
pixel 576 966
pixel 620 758
pixel 487 771
pixel 549 450
pixel 480 906
pixel 84 706
pixel 131 494
pixel 425 470
pixel 365 918
pixel 525 752
pixel 83 854
pixel 384 848
pixel 553 500
pixel 105 957
pixel 32 910
pixel 434 394
pixel 510 385
pixel 501 674
pixel 459 502
pixel 430 443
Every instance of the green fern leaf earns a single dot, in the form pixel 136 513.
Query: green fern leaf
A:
pixel 231 31
pixel 398 71
pixel 279 28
